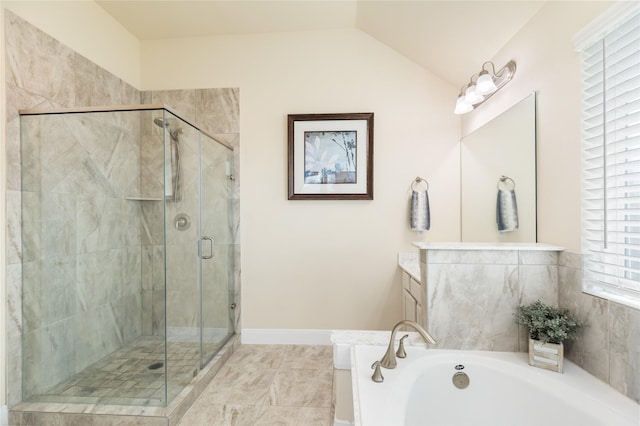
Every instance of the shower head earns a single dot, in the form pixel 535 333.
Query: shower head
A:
pixel 164 124
pixel 161 123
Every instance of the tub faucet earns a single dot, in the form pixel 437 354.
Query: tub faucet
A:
pixel 389 358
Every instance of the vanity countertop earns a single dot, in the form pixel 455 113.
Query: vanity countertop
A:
pixel 410 263
pixel 488 246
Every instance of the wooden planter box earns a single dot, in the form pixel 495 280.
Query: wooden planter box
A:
pixel 549 356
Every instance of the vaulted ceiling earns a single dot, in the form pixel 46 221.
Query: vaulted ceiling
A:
pixel 450 38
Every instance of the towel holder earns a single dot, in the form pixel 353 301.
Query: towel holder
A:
pixel 503 179
pixel 418 181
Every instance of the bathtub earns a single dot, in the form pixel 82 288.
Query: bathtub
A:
pixel 502 390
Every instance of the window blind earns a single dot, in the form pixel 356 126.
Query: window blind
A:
pixel 611 163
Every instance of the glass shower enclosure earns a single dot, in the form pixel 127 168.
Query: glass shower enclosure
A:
pixel 127 254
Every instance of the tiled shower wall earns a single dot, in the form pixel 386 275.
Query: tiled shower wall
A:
pixel 610 346
pixel 216 110
pixel 81 242
pixel 43 73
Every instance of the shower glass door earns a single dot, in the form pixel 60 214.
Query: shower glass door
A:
pixel 182 257
pixel 217 246
pixel 199 250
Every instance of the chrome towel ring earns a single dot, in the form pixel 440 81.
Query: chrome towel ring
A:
pixel 417 182
pixel 503 179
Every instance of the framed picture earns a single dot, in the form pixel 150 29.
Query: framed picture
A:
pixel 330 156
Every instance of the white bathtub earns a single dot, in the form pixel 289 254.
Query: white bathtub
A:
pixel 503 390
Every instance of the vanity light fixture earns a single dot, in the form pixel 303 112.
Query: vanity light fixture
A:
pixel 483 85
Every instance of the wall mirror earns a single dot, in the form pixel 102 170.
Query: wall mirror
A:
pixel 504 147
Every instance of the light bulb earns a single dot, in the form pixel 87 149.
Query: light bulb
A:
pixel 471 96
pixel 462 107
pixel 485 84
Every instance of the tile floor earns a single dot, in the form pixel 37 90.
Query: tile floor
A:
pixel 269 385
pixel 126 377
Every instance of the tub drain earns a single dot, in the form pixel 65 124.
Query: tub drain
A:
pixel 155 366
pixel 460 380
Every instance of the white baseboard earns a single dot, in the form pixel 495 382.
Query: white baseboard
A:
pixel 256 336
pixel 4 415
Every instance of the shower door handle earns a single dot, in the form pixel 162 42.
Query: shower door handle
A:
pixel 210 245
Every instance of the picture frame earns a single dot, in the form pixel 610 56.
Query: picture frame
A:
pixel 330 156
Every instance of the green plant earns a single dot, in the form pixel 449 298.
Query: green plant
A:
pixel 549 324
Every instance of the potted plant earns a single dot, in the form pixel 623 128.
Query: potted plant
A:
pixel 548 328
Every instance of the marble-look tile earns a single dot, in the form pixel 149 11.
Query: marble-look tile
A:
pixel 492 257
pixel 112 149
pixel 14 301
pixel 130 223
pixel 570 260
pixel 181 101
pixel 465 312
pixel 240 386
pixel 57 218
pixel 302 387
pixel 126 312
pixel 28 154
pixel 591 350
pixel 152 223
pixel 38 63
pixel 308 357
pixel 540 257
pixel 99 321
pixel 182 310
pixel 99 280
pixel 256 357
pixel 94 86
pixel 208 413
pixel 294 416
pixel 131 270
pixel 215 310
pixel 158 273
pixel 48 356
pixel 538 282
pixel 48 291
pixel 624 348
pixel 14 370
pixel 147 312
pixel 146 267
pixel 129 421
pixel 25 231
pixel 13 164
pixel 218 110
pixel 158 314
pixel 14 232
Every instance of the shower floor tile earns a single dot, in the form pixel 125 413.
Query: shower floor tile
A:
pixel 124 377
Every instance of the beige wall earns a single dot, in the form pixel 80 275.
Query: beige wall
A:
pixel 87 29
pixel 548 64
pixel 324 264
pixel 303 258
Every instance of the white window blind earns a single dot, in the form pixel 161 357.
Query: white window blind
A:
pixel 611 163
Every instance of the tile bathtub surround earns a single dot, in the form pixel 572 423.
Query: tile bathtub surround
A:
pixel 610 346
pixel 472 293
pixel 269 384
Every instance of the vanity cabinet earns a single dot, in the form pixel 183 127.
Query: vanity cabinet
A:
pixel 411 291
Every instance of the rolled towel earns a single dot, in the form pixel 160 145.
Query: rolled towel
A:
pixel 507 211
pixel 420 213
